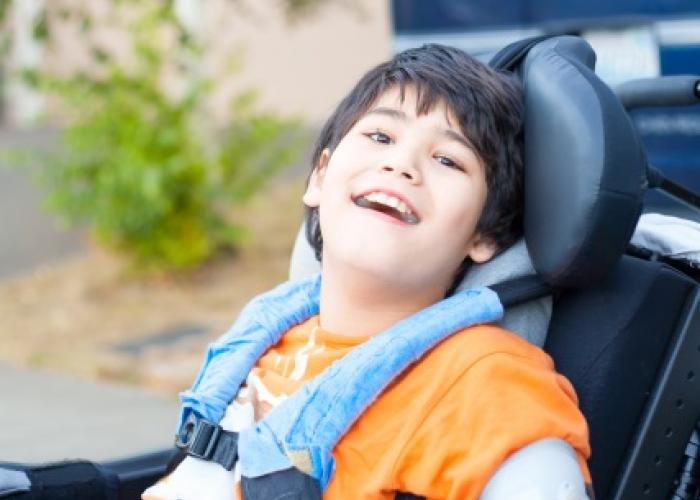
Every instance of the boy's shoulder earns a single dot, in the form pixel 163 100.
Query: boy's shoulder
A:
pixel 486 342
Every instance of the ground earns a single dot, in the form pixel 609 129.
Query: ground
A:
pixel 86 316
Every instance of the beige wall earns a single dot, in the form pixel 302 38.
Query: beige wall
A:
pixel 308 67
pixel 301 68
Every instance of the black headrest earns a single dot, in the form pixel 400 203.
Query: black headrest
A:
pixel 584 165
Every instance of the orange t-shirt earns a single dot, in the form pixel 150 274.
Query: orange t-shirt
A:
pixel 443 427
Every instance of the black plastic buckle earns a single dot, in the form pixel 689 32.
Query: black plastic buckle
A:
pixel 208 441
pixel 204 441
pixel 184 436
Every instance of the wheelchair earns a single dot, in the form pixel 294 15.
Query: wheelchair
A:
pixel 625 324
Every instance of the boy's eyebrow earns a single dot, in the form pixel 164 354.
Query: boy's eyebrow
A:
pixel 391 112
pixel 456 136
pixel 400 115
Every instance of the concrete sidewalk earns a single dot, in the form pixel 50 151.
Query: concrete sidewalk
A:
pixel 46 416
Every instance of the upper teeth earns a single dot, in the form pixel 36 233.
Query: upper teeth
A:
pixel 388 200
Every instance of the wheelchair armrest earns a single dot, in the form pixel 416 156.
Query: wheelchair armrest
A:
pixel 676 90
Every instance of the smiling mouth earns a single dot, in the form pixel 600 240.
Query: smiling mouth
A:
pixel 387 204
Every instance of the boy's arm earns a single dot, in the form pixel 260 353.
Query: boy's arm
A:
pixel 545 470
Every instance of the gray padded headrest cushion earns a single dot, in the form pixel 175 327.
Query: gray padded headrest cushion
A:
pixel 529 320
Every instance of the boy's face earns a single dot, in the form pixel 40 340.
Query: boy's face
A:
pixel 400 197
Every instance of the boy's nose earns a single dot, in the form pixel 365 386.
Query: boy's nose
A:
pixel 410 174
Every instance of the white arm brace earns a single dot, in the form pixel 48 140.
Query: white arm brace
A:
pixel 544 470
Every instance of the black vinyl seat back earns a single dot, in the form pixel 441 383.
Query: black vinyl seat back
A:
pixel 611 340
pixel 618 321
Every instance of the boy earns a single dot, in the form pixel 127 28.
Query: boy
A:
pixel 417 174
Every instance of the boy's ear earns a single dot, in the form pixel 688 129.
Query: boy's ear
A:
pixel 482 249
pixel 312 195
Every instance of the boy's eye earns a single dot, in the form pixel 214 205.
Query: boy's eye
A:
pixel 448 162
pixel 379 137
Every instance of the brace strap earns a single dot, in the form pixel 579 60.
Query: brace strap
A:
pixel 208 441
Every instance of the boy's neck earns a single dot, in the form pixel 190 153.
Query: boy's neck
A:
pixel 357 304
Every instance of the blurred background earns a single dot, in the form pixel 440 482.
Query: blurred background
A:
pixel 152 159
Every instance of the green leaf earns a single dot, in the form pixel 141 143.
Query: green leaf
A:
pixel 85 23
pixel 4 8
pixel 100 55
pixel 40 29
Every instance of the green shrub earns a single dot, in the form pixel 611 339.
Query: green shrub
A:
pixel 148 173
